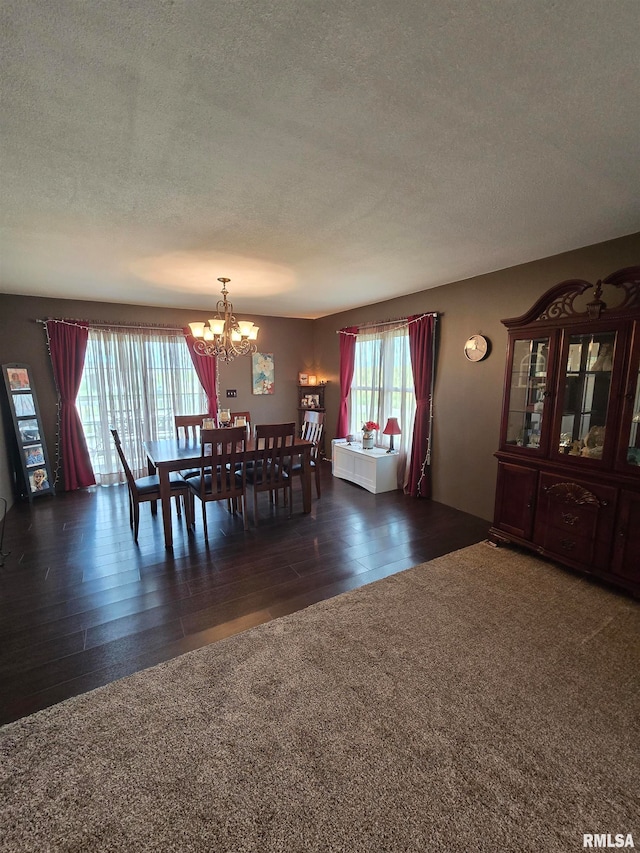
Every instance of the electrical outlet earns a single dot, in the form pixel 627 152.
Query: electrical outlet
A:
pixel 231 392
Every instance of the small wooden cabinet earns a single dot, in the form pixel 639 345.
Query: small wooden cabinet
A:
pixel 374 470
pixel 569 458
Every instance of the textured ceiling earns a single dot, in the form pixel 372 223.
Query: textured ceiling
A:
pixel 320 154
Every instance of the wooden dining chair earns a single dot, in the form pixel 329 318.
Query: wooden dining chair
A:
pixel 188 426
pixel 311 430
pixel 222 475
pixel 143 489
pixel 267 471
pixel 188 429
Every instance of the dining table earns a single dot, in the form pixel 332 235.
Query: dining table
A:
pixel 173 454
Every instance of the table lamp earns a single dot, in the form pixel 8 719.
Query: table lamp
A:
pixel 392 428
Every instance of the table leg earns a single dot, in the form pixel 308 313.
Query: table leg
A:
pixel 151 470
pixel 165 499
pixel 306 479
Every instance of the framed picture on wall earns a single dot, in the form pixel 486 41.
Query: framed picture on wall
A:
pixel 303 379
pixel 262 373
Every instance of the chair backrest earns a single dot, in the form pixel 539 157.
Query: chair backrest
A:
pixel 272 453
pixel 188 426
pixel 311 417
pixel 312 430
pixel 131 481
pixel 245 415
pixel 312 426
pixel 222 463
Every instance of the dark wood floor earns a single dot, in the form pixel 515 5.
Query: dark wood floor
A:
pixel 82 605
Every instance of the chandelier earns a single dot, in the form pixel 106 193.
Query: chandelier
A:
pixel 224 337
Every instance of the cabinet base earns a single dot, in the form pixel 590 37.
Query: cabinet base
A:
pixel 499 539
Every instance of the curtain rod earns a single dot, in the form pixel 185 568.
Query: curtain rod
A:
pixel 95 324
pixel 403 321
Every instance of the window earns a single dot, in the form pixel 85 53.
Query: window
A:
pixel 382 385
pixel 135 381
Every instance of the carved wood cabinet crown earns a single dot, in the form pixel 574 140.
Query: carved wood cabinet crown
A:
pixel 568 483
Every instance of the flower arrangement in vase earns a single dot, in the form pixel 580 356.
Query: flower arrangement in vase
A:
pixel 368 428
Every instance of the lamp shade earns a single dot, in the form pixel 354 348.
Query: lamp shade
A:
pixel 392 427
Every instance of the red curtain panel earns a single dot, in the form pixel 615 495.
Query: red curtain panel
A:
pixel 421 350
pixel 206 367
pixel 68 345
pixel 347 363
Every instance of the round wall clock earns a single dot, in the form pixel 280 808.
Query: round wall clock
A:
pixel 476 348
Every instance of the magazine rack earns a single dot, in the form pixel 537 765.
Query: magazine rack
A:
pixel 33 470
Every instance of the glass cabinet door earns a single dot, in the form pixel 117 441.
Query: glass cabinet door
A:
pixel 587 390
pixel 630 442
pixel 527 393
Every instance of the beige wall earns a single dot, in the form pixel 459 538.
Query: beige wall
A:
pixel 467 396
pixel 23 340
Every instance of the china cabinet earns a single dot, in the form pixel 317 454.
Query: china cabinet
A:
pixel 568 482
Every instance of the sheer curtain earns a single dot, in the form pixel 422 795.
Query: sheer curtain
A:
pixel 383 387
pixel 135 380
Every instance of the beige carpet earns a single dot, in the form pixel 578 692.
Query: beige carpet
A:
pixel 485 701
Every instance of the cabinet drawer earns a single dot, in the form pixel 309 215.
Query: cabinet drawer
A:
pixel 567 544
pixel 575 520
pixel 572 519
